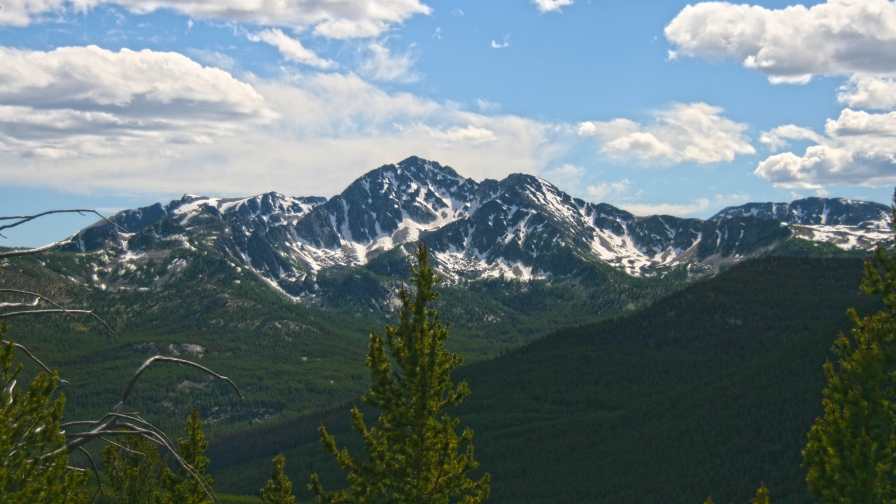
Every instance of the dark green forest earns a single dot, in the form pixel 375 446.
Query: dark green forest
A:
pixel 643 390
pixel 709 391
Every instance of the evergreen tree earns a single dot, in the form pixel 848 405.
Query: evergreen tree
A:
pixel 33 459
pixel 413 454
pixel 136 473
pixel 184 487
pixel 761 495
pixel 850 452
pixel 278 489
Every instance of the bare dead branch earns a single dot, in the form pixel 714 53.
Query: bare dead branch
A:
pixel 43 312
pixel 20 305
pixel 127 429
pixel 159 358
pixel 35 359
pixel 96 472
pixel 71 312
pixel 38 250
pixel 81 211
pixel 125 448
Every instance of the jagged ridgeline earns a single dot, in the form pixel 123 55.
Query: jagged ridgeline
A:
pixel 521 227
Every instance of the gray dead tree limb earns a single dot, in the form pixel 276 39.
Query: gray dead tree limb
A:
pixel 113 424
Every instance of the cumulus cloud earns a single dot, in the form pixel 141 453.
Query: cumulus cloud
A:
pixel 645 209
pixel 776 139
pixel 694 132
pixel 609 191
pixel 551 5
pixel 790 45
pixel 869 92
pixel 290 48
pixel 382 65
pixel 123 128
pixel 86 101
pixel 859 148
pixel 341 19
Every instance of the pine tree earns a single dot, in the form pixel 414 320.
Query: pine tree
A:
pixel 278 489
pixel 413 454
pixel 136 473
pixel 850 452
pixel 184 487
pixel 761 495
pixel 33 459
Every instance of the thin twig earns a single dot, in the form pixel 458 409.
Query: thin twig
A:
pixel 96 471
pixel 71 312
pixel 19 305
pixel 159 358
pixel 25 218
pixel 35 359
pixel 41 312
pixel 16 253
pixel 125 448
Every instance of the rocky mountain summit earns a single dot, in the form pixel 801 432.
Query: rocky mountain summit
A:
pixel 522 227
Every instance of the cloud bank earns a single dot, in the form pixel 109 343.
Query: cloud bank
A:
pixel 791 45
pixel 859 148
pixel 147 121
pixel 84 101
pixel 340 19
pixel 694 132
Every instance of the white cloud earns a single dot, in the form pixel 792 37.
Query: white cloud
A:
pixel 501 45
pixel 777 138
pixel 869 92
pixel 645 209
pixel 859 148
pixel 382 65
pixel 291 49
pixel 694 132
pixel 566 176
pixel 609 191
pixel 551 5
pixel 341 19
pixel 87 101
pixel 212 59
pixel 790 45
pixel 331 128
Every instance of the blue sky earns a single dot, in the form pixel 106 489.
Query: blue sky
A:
pixel 653 106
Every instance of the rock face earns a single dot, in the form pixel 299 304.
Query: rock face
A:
pixel 521 227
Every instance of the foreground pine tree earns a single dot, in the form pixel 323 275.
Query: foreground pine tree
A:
pixel 278 489
pixel 33 459
pixel 135 472
pixel 414 453
pixel 185 488
pixel 850 453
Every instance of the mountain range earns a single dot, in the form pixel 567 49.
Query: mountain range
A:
pixel 522 227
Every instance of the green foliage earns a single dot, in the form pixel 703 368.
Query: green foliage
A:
pixel 761 495
pixel 278 489
pixel 707 391
pixel 413 454
pixel 185 487
pixel 851 452
pixel 33 459
pixel 136 473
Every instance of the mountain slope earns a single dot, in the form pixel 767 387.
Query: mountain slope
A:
pixel 709 391
pixel 520 228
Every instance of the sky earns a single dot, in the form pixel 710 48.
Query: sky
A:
pixel 654 106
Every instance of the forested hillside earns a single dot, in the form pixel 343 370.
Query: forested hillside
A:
pixel 707 392
pixel 288 357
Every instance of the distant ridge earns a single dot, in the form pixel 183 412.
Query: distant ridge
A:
pixel 522 227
